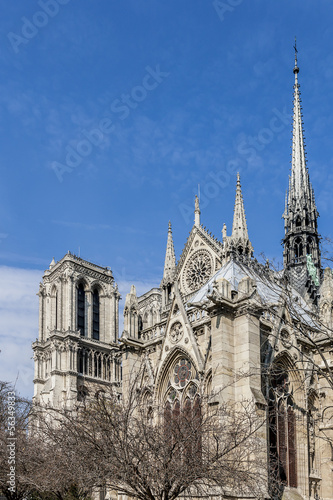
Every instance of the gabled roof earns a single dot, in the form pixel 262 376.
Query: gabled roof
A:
pixel 210 239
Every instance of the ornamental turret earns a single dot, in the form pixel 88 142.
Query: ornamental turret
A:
pixel 238 244
pixel 169 269
pixel 301 254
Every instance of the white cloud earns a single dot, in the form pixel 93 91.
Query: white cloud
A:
pixel 18 325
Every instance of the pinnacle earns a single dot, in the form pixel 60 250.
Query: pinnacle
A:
pixel 170 258
pixel 239 240
pixel 239 227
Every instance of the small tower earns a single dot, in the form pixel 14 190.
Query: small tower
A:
pixel 238 244
pixel 301 242
pixel 131 318
pixel 169 270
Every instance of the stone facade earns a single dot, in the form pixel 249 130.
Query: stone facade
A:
pixel 217 313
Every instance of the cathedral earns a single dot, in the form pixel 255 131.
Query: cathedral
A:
pixel 216 312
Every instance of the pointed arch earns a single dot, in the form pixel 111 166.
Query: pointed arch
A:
pixel 168 377
pixel 284 379
pixel 54 308
pixel 95 313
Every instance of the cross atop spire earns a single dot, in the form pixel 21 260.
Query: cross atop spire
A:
pixel 170 258
pixel 296 68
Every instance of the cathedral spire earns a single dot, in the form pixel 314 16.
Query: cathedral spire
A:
pixel 301 242
pixel 238 243
pixel 299 182
pixel 170 258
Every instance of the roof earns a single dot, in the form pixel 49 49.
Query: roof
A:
pixel 269 290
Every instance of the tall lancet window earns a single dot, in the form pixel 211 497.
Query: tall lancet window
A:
pixel 282 432
pixel 95 316
pixel 81 300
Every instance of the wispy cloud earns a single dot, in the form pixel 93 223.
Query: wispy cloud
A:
pixel 18 325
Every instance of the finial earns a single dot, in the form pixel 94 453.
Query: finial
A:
pixel 196 212
pixel 296 68
pixel 224 232
pixel 170 226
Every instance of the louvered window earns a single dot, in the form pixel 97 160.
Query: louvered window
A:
pixel 81 298
pixel 95 325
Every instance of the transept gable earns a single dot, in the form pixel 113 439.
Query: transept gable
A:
pixel 179 334
pixel 200 258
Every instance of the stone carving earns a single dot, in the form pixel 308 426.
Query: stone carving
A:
pixel 285 339
pixel 176 332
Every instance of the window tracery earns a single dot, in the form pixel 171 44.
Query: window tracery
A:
pixel 198 270
pixel 282 429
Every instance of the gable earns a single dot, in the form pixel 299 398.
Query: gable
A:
pixel 199 261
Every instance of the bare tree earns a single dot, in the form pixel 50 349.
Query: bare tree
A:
pixel 149 451
pixel 14 412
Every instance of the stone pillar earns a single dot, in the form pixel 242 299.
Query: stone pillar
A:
pixel 222 335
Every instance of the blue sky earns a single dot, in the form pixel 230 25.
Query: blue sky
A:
pixel 113 112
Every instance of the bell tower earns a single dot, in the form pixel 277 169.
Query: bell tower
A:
pixel 301 255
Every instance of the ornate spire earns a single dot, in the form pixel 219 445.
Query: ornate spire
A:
pixel 299 182
pixel 238 243
pixel 170 258
pixel 300 214
pixel 239 227
pixel 197 212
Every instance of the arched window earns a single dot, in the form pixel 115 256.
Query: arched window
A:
pixel 298 221
pixel 54 309
pixel 81 299
pixel 309 245
pixel 282 431
pixel 95 315
pixel 298 248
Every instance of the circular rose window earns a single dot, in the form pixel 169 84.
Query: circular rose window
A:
pixel 182 372
pixel 198 270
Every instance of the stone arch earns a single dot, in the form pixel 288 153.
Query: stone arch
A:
pixel 99 286
pixel 82 280
pixel 286 362
pixel 284 401
pixel 309 245
pixel 145 320
pixel 166 377
pixel 298 248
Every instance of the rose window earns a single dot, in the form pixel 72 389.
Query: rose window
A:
pixel 198 270
pixel 182 372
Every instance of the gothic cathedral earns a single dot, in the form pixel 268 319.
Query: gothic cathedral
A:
pixel 216 312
